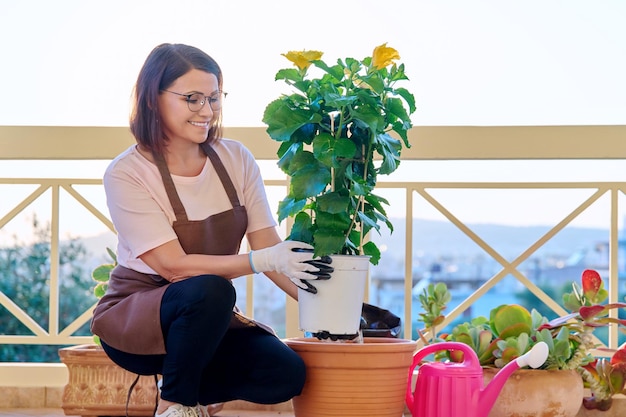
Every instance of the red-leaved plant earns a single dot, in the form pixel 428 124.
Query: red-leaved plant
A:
pixel 604 377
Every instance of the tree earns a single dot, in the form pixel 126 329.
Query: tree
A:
pixel 25 279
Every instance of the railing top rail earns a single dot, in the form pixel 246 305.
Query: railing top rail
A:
pixel 428 142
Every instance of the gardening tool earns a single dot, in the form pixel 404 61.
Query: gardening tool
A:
pixel 448 389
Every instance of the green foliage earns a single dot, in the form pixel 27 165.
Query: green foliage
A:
pixel 562 346
pixel 511 331
pixel 24 278
pixel 510 320
pixel 476 334
pixel 434 300
pixel 331 129
pixel 511 348
pixel 101 274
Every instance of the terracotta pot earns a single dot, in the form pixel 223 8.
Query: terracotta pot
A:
pixel 538 393
pixel 98 387
pixel 353 379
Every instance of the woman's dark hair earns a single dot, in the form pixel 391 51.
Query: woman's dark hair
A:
pixel 164 65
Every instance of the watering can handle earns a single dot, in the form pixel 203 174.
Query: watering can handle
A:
pixel 469 359
pixel 469 356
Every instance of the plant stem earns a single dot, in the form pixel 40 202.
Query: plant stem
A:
pixel 332 169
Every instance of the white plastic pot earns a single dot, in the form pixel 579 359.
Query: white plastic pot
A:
pixel 337 306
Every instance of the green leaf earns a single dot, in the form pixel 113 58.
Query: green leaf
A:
pixel 401 129
pixel 336 71
pixel 408 97
pixel 287 152
pixel 508 354
pixel 102 273
pixel 369 117
pixel 337 100
pixel 545 336
pixel 288 207
pixel 309 181
pixel 390 150
pixel 333 202
pixel 328 241
pixel 323 148
pixel 370 249
pixel 511 320
pixel 302 229
pixel 333 221
pixel 483 339
pixel 377 202
pixel 100 289
pixel 395 106
pixel 368 221
pixel 112 255
pixel 283 120
pixel 300 159
pixel 344 149
pixel 308 176
pixel 290 74
pixel 375 82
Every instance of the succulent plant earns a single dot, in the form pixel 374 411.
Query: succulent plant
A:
pixel 605 378
pixel 434 299
pixel 511 330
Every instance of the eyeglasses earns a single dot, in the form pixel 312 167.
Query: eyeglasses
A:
pixel 196 101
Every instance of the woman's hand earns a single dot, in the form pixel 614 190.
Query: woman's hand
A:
pixel 293 259
pixel 285 257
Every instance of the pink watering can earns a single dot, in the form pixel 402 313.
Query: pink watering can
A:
pixel 448 389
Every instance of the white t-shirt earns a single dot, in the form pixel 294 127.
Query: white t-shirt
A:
pixel 142 213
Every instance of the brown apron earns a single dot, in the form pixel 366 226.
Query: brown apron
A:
pixel 128 316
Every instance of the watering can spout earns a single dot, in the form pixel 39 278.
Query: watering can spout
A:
pixel 533 358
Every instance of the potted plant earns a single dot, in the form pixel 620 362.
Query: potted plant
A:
pixel 96 385
pixel 606 377
pixel 511 330
pixel 338 130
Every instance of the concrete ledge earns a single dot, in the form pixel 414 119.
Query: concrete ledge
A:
pixel 20 374
pixel 50 397
pixel 30 397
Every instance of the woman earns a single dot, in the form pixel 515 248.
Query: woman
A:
pixel 182 199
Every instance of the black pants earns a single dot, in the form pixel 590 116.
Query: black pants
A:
pixel 208 362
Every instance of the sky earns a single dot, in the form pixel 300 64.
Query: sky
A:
pixel 476 63
pixel 489 62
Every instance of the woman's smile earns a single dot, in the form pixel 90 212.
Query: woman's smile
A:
pixel 204 125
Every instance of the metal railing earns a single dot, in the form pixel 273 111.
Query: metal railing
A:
pixel 429 143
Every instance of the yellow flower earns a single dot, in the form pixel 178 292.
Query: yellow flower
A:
pixel 383 56
pixel 302 59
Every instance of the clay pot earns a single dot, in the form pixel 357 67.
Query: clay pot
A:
pixel 538 393
pixel 353 379
pixel 98 387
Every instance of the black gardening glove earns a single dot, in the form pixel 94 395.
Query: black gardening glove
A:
pixel 322 263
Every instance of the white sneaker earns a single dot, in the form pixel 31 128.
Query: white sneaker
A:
pixel 178 410
pixel 208 410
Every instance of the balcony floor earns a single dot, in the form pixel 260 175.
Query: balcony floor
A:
pixel 57 412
